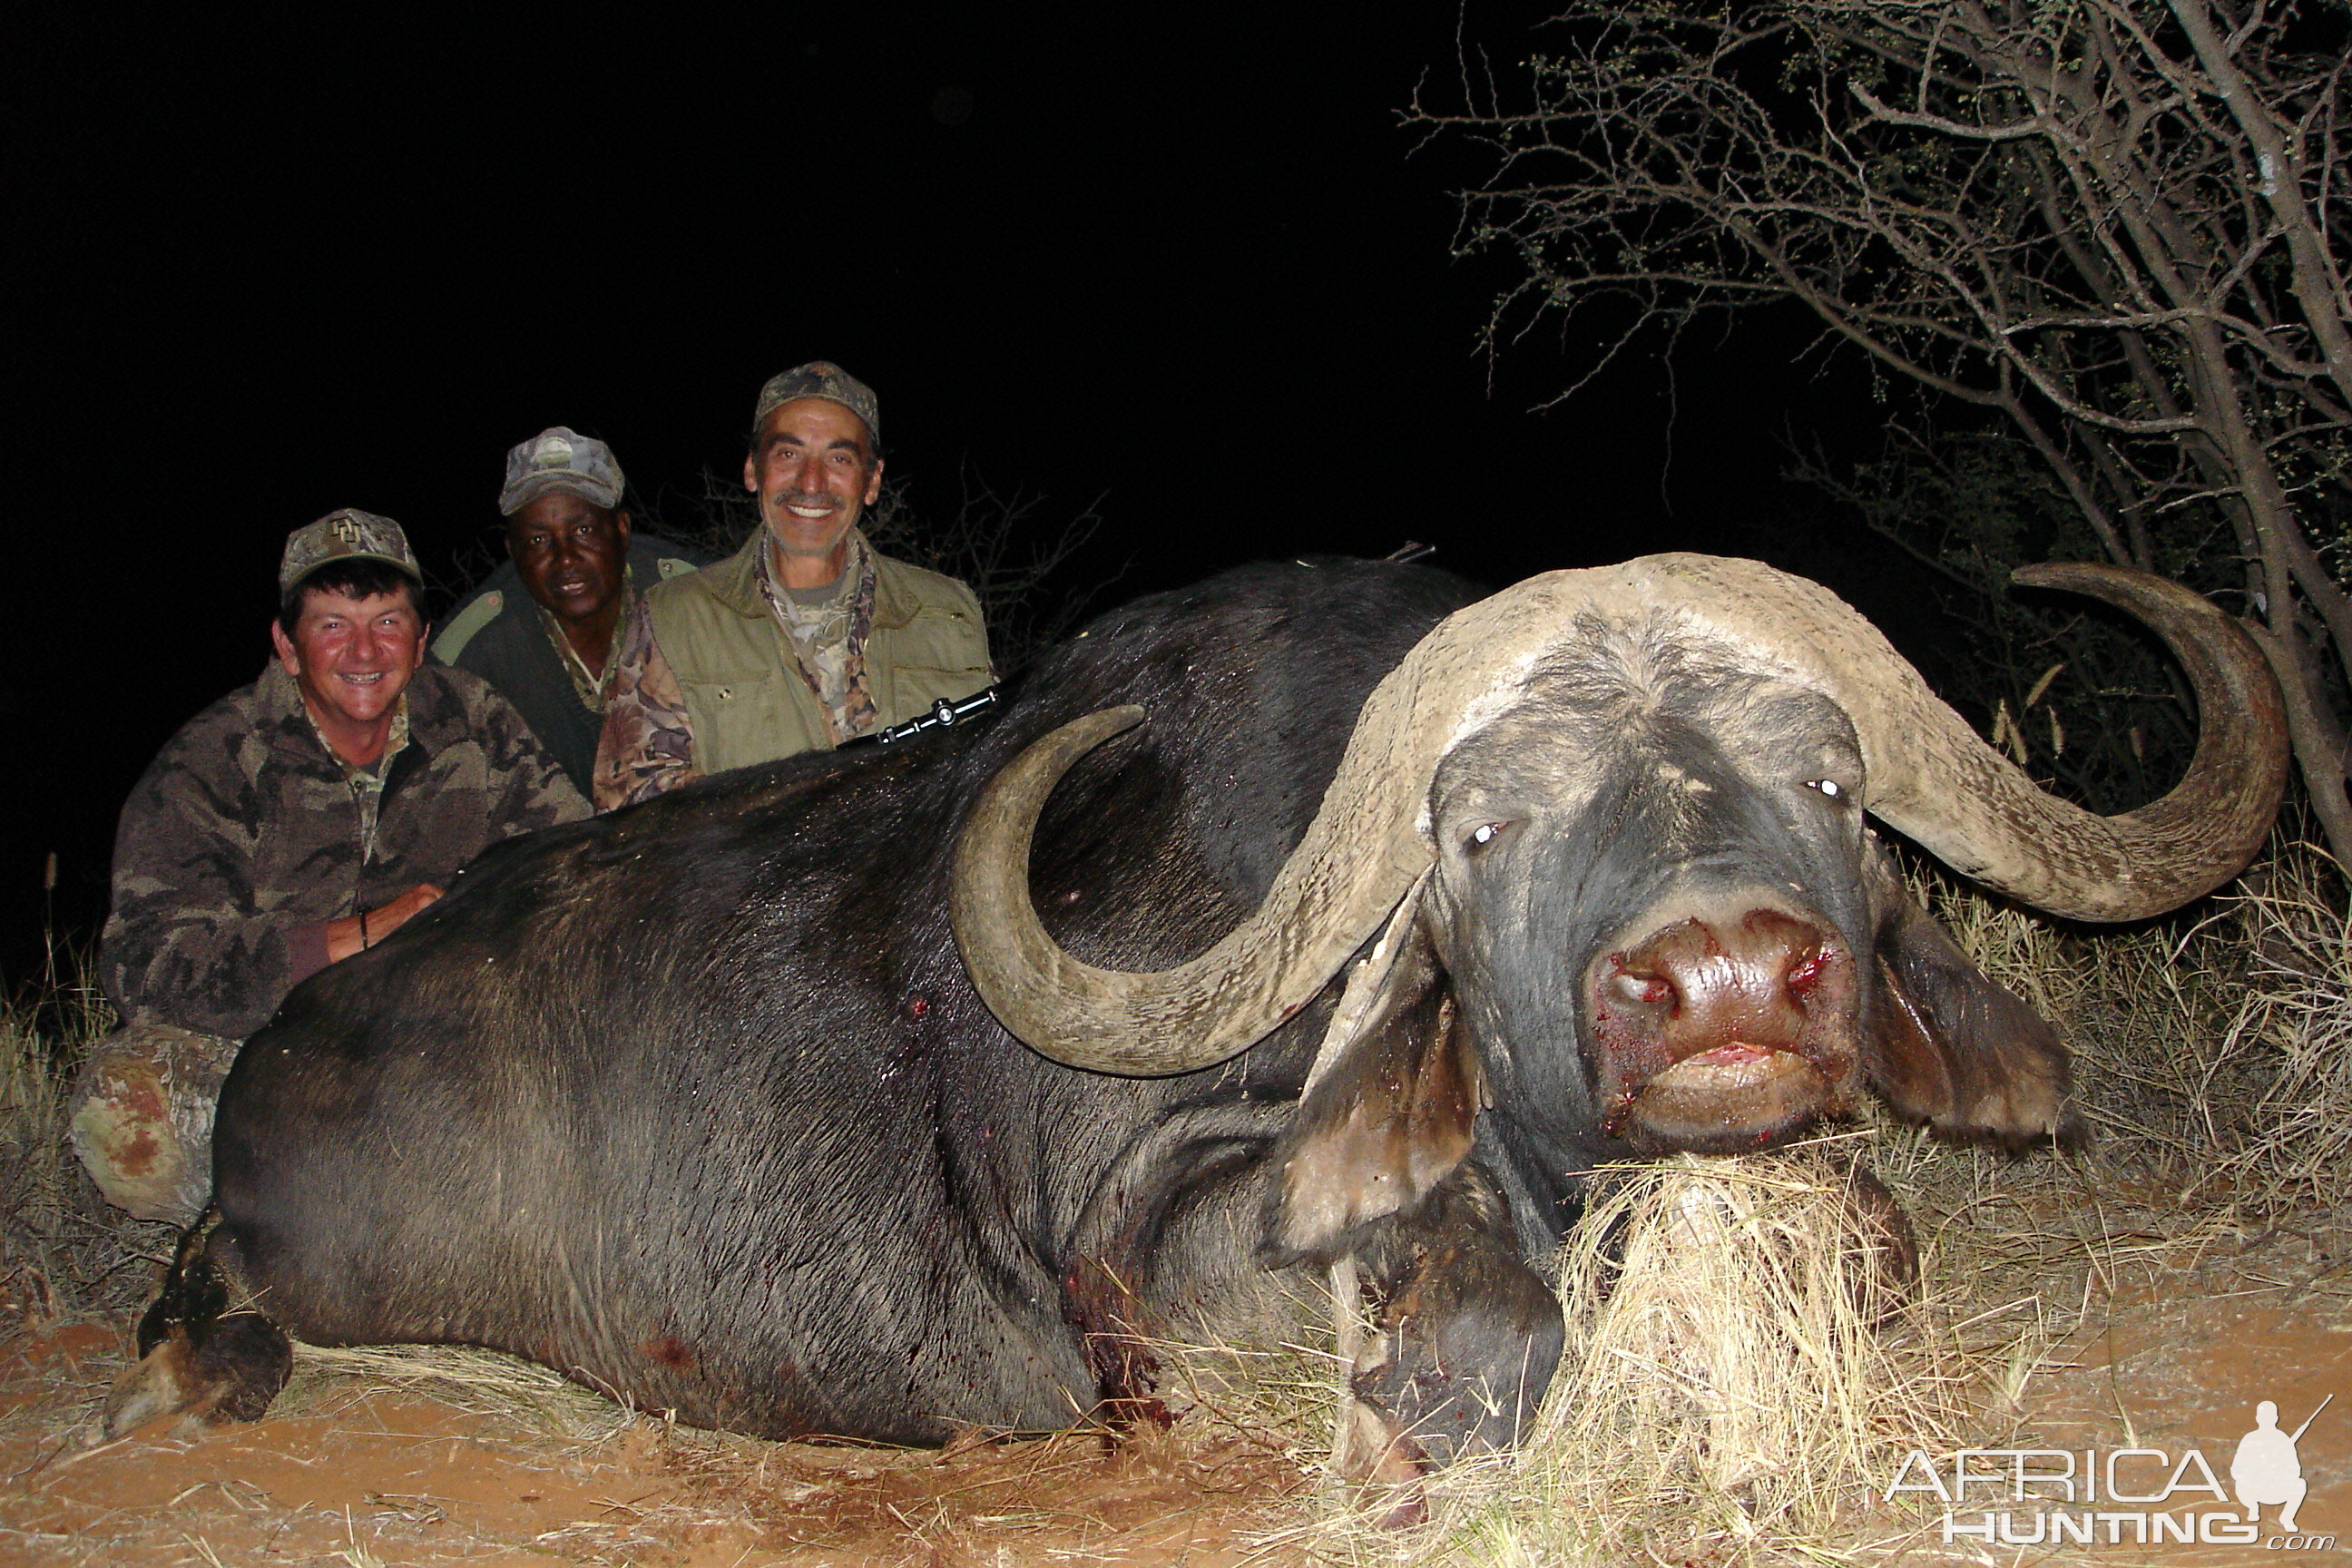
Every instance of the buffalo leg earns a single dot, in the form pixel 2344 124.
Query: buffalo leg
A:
pixel 1465 1336
pixel 206 1353
pixel 1166 1254
pixel 1462 1338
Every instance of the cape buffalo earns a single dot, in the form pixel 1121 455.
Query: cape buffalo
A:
pixel 1364 916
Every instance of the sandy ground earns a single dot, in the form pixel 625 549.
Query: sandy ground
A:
pixel 2179 1363
pixel 353 1471
pixel 346 1470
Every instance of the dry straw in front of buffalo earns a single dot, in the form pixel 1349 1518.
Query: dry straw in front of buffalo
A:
pixel 1745 1369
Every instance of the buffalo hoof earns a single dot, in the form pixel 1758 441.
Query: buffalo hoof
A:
pixel 1889 1269
pixel 206 1355
pixel 229 1369
pixel 1463 1353
pixel 1386 1465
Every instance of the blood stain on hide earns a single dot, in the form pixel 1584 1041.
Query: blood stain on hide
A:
pixel 918 1005
pixel 671 1351
pixel 1620 1111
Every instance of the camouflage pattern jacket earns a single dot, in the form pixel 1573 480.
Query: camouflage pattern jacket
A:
pixel 242 840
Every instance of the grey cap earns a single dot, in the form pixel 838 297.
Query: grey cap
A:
pixel 560 460
pixel 821 378
pixel 345 535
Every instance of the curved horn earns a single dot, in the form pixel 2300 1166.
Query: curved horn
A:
pixel 1980 815
pixel 1928 774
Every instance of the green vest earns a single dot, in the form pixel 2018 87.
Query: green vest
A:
pixel 744 692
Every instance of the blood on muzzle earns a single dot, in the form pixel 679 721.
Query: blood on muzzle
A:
pixel 1720 1032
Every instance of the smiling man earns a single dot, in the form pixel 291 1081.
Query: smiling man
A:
pixel 545 629
pixel 803 638
pixel 296 821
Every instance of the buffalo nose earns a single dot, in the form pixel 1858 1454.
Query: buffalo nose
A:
pixel 1702 984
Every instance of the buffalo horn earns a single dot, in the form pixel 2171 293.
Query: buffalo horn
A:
pixel 1932 777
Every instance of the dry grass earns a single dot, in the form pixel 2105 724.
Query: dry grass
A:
pixel 1744 1372
pixel 474 1382
pixel 63 1252
pixel 1753 1341
pixel 2213 1053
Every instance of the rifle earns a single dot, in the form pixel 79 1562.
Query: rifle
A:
pixel 942 715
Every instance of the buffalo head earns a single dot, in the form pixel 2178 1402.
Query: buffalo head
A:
pixel 1605 836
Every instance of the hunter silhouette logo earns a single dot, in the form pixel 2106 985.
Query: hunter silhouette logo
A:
pixel 2265 1468
pixel 2141 1497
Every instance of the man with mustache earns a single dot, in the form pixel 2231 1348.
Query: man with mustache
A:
pixel 545 628
pixel 807 636
pixel 298 821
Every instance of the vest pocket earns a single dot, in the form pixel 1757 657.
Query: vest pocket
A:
pixel 933 641
pixel 745 720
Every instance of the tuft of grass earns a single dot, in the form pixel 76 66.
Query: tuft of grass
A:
pixel 1746 1368
pixel 63 1251
pixel 464 1378
pixel 1754 1339
pixel 2213 1051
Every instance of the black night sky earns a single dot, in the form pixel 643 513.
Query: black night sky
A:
pixel 1183 258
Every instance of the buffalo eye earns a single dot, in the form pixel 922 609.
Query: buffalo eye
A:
pixel 1486 833
pixel 1830 787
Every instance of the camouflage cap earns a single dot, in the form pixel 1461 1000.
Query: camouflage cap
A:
pixel 820 378
pixel 343 535
pixel 560 460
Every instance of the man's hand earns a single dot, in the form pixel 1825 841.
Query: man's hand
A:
pixel 343 936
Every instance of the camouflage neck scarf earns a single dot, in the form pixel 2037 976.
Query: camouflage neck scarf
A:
pixel 589 685
pixel 367 782
pixel 828 639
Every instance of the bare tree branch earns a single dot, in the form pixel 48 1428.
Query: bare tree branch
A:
pixel 2118 226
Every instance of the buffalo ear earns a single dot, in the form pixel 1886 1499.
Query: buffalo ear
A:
pixel 1389 1109
pixel 1949 1046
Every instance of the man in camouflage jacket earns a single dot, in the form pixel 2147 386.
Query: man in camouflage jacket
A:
pixel 265 842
